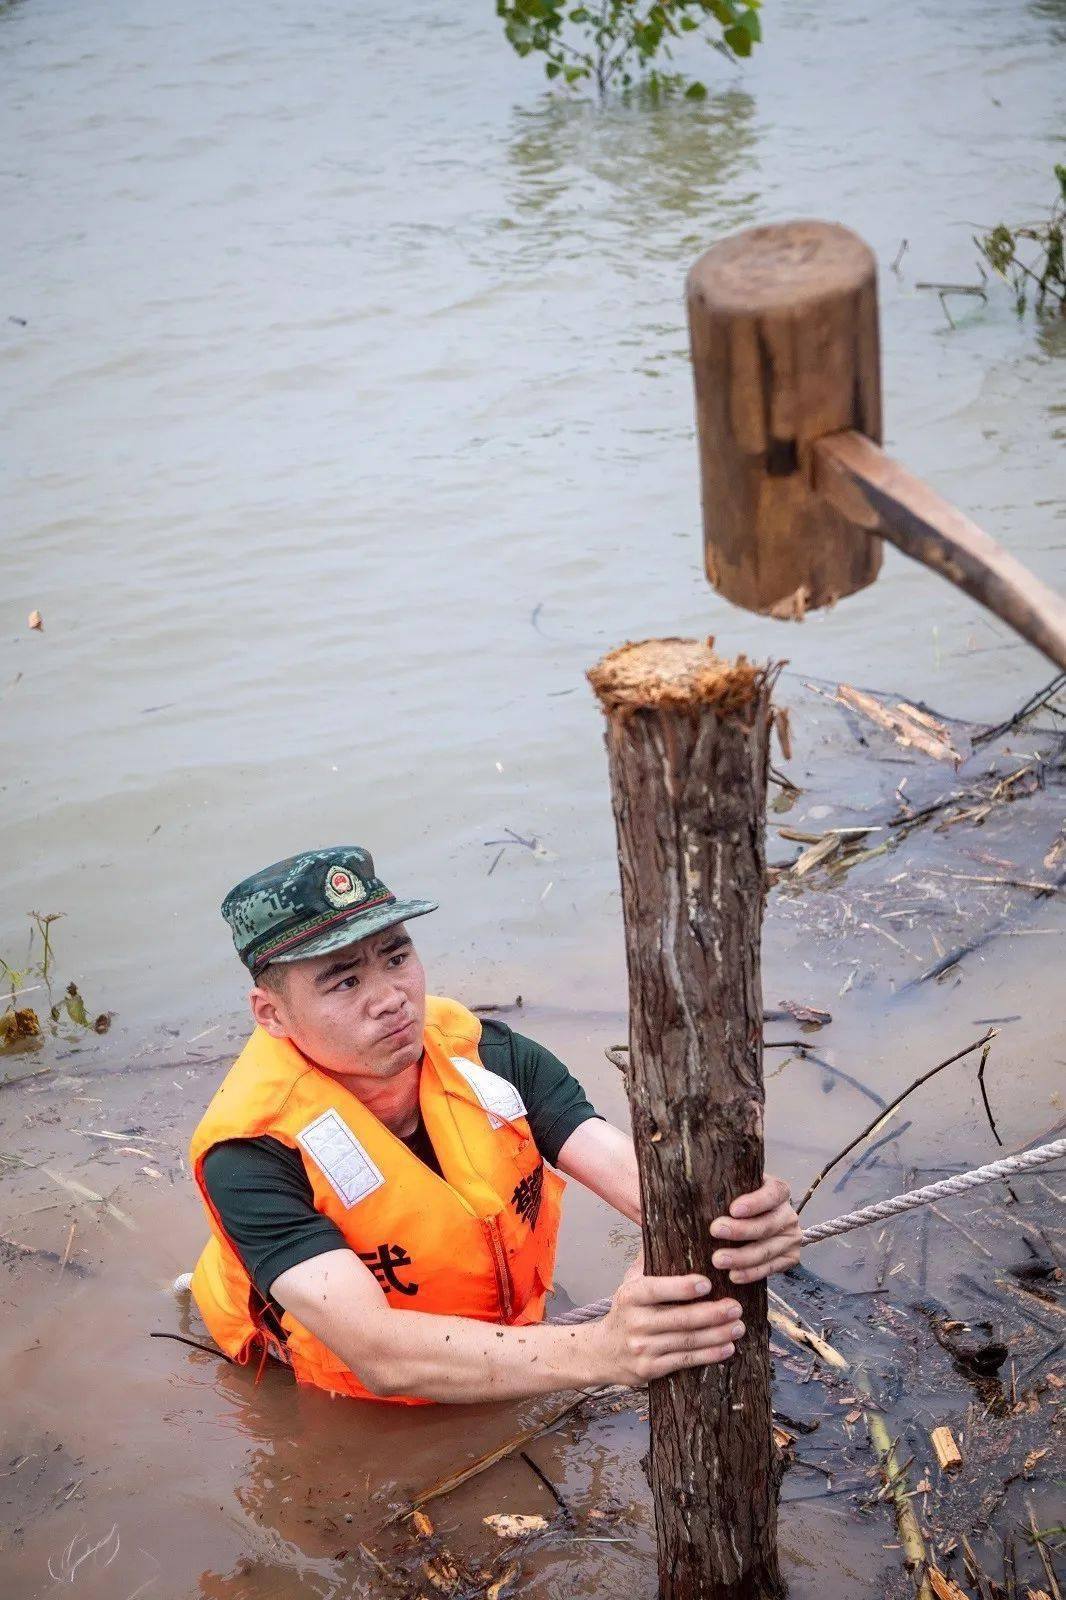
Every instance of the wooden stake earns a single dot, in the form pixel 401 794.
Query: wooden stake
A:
pixel 688 745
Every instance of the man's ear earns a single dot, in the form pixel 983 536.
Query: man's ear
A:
pixel 264 1006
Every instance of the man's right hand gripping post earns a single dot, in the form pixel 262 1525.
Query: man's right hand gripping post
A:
pixel 655 1326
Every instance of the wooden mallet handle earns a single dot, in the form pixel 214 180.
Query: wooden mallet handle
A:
pixel 797 494
pixel 851 471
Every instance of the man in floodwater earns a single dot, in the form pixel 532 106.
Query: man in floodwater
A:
pixel 376 1151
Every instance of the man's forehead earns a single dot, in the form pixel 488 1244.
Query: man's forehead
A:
pixel 353 954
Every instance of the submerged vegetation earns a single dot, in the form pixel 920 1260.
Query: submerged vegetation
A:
pixel 19 1024
pixel 1030 256
pixel 618 42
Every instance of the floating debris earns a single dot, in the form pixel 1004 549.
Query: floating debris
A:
pixel 910 727
pixel 515 1525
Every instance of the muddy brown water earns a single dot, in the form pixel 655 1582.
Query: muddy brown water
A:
pixel 350 421
pixel 137 1465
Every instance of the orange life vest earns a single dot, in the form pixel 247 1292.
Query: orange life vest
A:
pixel 479 1242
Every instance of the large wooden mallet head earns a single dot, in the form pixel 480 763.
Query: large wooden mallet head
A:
pixel 785 350
pixel 797 492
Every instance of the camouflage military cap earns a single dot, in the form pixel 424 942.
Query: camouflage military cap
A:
pixel 309 904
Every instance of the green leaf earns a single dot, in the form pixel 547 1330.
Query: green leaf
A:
pixel 1055 265
pixel 1060 173
pixel 552 69
pixel 750 23
pixel 76 1006
pixel 999 247
pixel 738 39
pixel 696 91
pixel 580 15
pixel 723 10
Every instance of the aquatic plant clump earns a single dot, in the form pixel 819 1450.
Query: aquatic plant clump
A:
pixel 19 1024
pixel 1043 274
pixel 618 42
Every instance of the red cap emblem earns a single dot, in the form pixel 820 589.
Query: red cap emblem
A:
pixel 343 888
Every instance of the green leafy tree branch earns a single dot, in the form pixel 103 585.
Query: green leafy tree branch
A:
pixel 615 42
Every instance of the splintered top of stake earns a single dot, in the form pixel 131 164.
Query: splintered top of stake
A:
pixel 680 675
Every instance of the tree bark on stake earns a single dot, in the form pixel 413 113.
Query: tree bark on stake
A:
pixel 688 747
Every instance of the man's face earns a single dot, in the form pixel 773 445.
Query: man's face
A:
pixel 358 1012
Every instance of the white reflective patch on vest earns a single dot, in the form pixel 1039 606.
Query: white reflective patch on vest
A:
pixel 501 1099
pixel 344 1161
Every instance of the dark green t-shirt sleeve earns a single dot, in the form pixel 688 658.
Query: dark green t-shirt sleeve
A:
pixel 262 1193
pixel 555 1102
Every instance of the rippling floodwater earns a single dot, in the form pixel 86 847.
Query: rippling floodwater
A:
pixel 350 420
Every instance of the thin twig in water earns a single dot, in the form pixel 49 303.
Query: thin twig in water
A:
pixel 888 1138
pixel 1035 703
pixel 1010 1570
pixel 1027 1290
pixel 813 1466
pixel 1045 1559
pixel 1035 884
pixel 879 1119
pixel 974 1570
pixel 893 1479
pixel 876 928
pixel 951 1222
pixel 984 1094
pixel 548 1484
pixel 372 1557
pixel 1034 1366
pixel 13 1083
pixel 74 1267
pixel 618 1056
pixel 509 1447
pixel 194 1344
pixel 953 957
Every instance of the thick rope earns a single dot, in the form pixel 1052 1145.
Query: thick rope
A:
pixel 995 1172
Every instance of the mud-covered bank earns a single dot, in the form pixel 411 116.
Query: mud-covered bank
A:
pixel 144 1465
